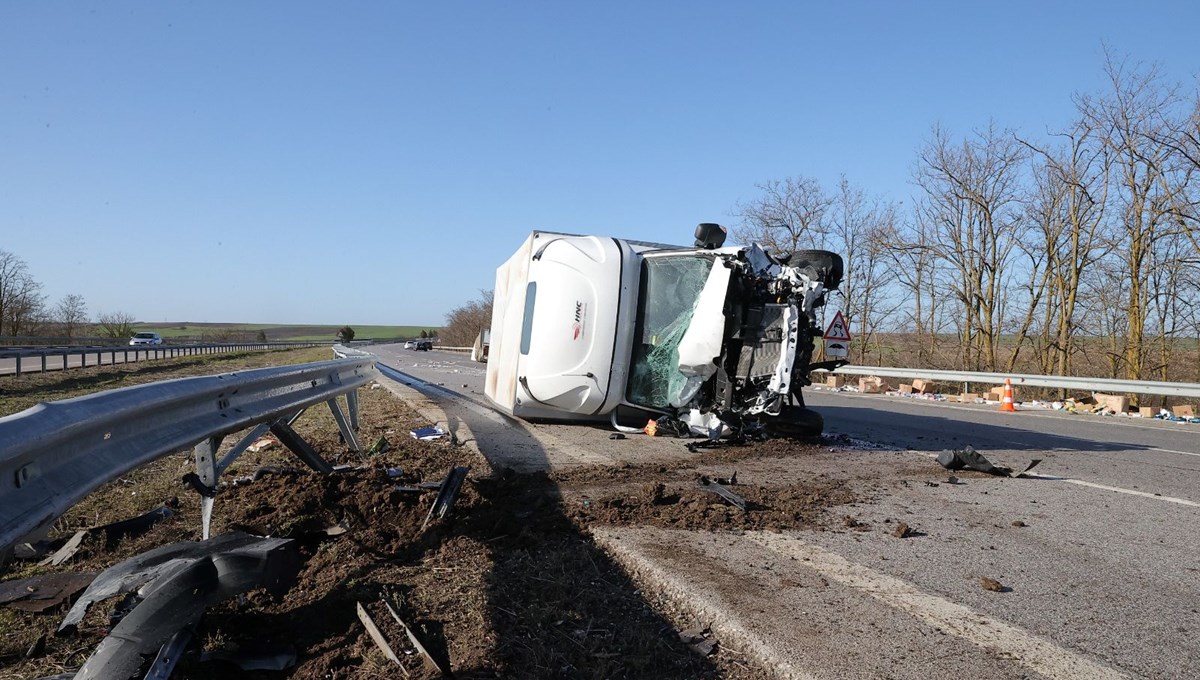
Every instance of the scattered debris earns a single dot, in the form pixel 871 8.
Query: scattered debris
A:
pixel 427 434
pixel 170 587
pixel 262 444
pixel 447 494
pixel 1018 523
pixel 113 533
pixel 699 639
pixel 952 480
pixel 381 445
pixel 616 435
pixel 973 460
pixel 416 642
pixel 254 659
pixel 723 492
pixel 992 585
pixel 45 591
pixel 378 638
pixel 38 647
pixel 902 530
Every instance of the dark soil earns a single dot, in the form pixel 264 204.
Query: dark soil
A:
pixel 509 584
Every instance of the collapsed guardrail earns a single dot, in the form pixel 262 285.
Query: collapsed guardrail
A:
pixel 151 351
pixel 52 455
pixel 1171 389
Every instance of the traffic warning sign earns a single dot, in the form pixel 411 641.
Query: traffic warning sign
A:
pixel 837 338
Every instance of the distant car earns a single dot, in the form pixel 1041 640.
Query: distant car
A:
pixel 146 339
pixel 424 345
pixel 411 344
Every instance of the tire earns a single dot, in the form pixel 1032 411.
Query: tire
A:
pixel 820 265
pixel 796 421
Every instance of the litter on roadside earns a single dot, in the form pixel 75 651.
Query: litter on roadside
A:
pixel 262 444
pixel 426 434
pixel 381 445
pixel 971 459
pixel 722 491
pixel 44 591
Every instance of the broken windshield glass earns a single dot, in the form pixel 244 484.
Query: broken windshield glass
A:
pixel 670 289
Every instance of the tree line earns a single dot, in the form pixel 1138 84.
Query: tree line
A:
pixel 26 311
pixel 1073 252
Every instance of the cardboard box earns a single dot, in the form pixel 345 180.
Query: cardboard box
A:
pixel 1148 411
pixel 922 386
pixel 1111 402
pixel 835 381
pixel 996 393
pixel 968 397
pixel 906 389
pixel 1184 411
pixel 871 385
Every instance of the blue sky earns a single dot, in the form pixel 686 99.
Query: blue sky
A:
pixel 372 162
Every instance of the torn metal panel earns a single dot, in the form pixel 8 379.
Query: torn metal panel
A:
pixel 175 585
pixel 42 592
pixel 343 425
pixel 723 492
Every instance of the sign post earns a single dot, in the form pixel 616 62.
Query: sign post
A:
pixel 837 338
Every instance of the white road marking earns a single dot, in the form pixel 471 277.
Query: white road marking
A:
pixel 1032 651
pixel 1182 453
pixel 1131 492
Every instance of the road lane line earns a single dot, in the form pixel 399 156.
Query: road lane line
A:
pixel 1032 651
pixel 1182 453
pixel 1131 492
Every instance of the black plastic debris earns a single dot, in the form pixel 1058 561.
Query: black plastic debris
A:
pixel 254 659
pixel 616 435
pixel 447 495
pixel 113 533
pixel 172 586
pixel 39 593
pixel 971 459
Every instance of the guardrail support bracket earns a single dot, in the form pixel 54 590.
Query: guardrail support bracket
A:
pixel 347 431
pixel 289 438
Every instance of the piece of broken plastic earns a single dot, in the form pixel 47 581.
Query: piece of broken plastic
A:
pixel 971 459
pixel 428 433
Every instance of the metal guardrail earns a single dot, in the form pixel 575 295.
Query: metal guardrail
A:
pixel 61 354
pixel 54 454
pixel 1083 384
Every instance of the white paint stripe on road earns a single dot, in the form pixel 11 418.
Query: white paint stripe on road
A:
pixel 1034 652
pixel 1182 453
pixel 1131 492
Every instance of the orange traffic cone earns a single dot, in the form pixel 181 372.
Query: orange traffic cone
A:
pixel 1006 403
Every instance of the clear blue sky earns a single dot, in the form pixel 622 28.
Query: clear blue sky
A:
pixel 372 162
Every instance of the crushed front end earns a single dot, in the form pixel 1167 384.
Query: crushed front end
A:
pixel 730 333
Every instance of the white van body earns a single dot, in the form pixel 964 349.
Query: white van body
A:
pixel 582 325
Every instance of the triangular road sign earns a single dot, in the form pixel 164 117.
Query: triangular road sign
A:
pixel 837 330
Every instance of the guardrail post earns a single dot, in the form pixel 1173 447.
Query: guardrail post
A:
pixel 347 432
pixel 18 364
pixel 43 362
pixel 352 407
pixel 205 454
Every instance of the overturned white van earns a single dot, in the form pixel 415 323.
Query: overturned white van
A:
pixel 591 327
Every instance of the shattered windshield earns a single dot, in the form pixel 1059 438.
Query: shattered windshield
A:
pixel 669 290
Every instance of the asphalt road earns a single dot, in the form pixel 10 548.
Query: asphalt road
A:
pixel 1097 555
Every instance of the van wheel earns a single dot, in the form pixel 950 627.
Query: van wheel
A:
pixel 796 421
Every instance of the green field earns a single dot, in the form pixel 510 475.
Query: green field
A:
pixel 275 332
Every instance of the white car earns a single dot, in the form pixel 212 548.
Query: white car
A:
pixel 146 339
pixel 411 344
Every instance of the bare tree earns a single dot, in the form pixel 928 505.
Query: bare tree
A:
pixel 71 313
pixel 970 190
pixel 789 215
pixel 116 324
pixel 22 305
pixel 464 323
pixel 1134 123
